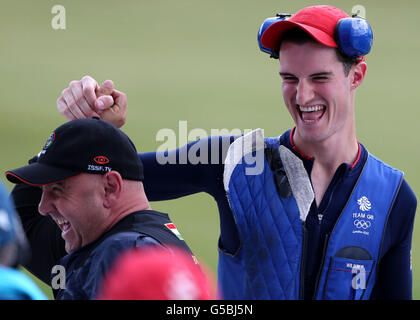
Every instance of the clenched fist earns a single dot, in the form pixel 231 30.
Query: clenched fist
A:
pixel 85 99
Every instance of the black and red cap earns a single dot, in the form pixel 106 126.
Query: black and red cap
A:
pixel 81 146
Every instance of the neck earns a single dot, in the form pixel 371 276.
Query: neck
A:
pixel 132 200
pixel 331 152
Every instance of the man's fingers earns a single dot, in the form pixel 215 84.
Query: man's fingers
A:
pixel 61 105
pixel 105 89
pixel 71 104
pixel 84 99
pixel 89 86
pixel 69 115
pixel 104 100
pixel 103 103
pixel 63 109
pixel 117 114
pixel 120 99
pixel 79 99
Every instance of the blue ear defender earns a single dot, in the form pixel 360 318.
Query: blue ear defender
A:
pixel 268 22
pixel 354 36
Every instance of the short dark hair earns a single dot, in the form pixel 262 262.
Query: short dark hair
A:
pixel 299 36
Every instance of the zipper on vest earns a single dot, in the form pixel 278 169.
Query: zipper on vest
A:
pixel 318 278
pixel 302 264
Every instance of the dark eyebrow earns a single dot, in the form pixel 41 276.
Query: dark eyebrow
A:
pixel 317 74
pixel 284 74
pixel 59 184
pixel 321 74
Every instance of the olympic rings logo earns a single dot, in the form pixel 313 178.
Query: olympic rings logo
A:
pixel 362 224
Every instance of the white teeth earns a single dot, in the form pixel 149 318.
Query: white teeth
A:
pixel 61 221
pixel 311 108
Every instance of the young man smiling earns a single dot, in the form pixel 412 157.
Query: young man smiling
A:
pixel 324 219
pixel 319 94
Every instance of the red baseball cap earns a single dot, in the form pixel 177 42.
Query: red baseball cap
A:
pixel 157 273
pixel 319 21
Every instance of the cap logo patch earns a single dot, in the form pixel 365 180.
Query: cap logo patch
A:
pixel 101 160
pixel 49 141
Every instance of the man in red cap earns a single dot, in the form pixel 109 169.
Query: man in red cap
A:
pixel 323 218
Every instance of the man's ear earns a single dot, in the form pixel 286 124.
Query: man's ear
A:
pixel 113 184
pixel 358 73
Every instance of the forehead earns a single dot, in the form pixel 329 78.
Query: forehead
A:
pixel 80 181
pixel 307 58
pixel 61 184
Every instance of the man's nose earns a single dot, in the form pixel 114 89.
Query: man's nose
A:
pixel 304 92
pixel 45 205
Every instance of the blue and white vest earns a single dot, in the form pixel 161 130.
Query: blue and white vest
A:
pixel 268 264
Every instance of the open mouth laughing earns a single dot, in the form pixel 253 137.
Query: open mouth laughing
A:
pixel 63 224
pixel 311 114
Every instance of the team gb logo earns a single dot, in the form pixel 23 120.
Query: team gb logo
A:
pixel 364 204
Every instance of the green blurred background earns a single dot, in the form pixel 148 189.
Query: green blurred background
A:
pixel 197 61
